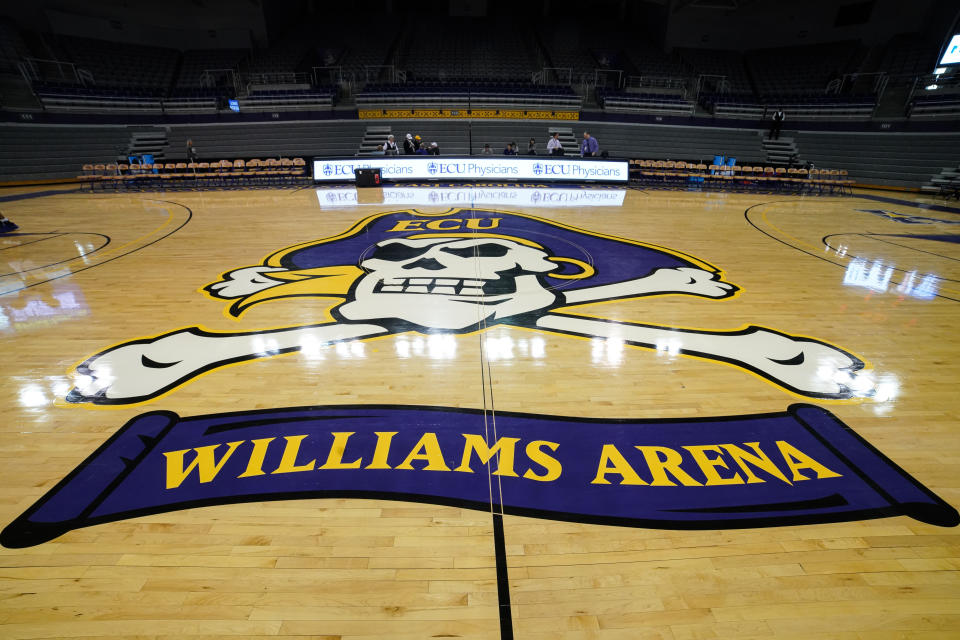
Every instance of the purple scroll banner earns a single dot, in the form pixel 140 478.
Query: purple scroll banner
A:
pixel 775 469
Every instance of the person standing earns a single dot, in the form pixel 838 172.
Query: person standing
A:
pixel 590 147
pixel 408 148
pixel 554 146
pixel 390 147
pixel 775 123
pixel 191 151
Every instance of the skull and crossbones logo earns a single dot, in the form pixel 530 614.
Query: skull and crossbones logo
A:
pixel 455 282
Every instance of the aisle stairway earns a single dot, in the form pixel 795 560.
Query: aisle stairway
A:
pixel 147 140
pixel 374 135
pixel 780 151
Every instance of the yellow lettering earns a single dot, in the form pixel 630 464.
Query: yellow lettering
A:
pixel 709 465
pixel 437 225
pixel 427 449
pixel 475 443
pixel 407 225
pixel 659 467
pixel 382 450
pixel 288 461
pixel 610 454
pixel 549 463
pixel 339 446
pixel 758 459
pixel 474 223
pixel 205 463
pixel 797 460
pixel 255 465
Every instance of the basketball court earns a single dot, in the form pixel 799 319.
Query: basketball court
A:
pixel 572 379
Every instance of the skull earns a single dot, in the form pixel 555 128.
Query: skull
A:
pixel 450 284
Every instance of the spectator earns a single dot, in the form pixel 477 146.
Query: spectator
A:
pixel 390 148
pixel 7 225
pixel 775 123
pixel 590 147
pixel 434 149
pixel 191 151
pixel 416 143
pixel 487 151
pixel 554 146
pixel 379 151
pixel 422 150
pixel 408 148
pixel 510 149
pixel 532 147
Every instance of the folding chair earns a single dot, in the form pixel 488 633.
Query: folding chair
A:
pixel 87 177
pixel 300 169
pixel 286 170
pixel 111 177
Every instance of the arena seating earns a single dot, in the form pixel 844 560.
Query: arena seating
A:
pixel 49 152
pixel 697 175
pixel 464 93
pixel 934 105
pixel 906 56
pixel 288 99
pixel 121 64
pixel 194 63
pixel 801 70
pixel 896 159
pixel 636 102
pixel 462 48
pixel 219 174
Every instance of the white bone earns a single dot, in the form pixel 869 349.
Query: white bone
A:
pixel 243 282
pixel 803 365
pixel 145 368
pixel 684 280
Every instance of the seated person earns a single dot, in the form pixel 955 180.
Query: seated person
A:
pixel 487 151
pixel 378 151
pixel 510 150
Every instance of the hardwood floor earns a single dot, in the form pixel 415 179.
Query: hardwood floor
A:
pixel 847 277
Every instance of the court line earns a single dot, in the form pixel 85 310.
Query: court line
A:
pixel 152 242
pixel 746 215
pixel 504 608
pixel 53 264
pixel 871 236
pixel 49 236
pixel 896 244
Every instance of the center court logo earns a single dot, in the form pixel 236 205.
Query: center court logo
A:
pixel 453 273
pixel 457 273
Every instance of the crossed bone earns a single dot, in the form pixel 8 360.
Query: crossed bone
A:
pixel 145 368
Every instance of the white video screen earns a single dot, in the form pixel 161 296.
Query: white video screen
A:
pixel 952 53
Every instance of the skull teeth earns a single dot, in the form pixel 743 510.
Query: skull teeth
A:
pixel 441 286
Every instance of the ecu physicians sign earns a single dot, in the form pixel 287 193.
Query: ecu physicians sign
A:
pixel 394 168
